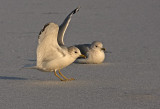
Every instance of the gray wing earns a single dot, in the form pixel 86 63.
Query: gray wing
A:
pixel 64 25
pixel 48 48
pixel 84 48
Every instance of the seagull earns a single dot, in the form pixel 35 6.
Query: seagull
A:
pixel 94 53
pixel 52 54
pixel 52 57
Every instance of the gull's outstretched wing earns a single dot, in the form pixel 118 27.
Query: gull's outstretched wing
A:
pixel 48 48
pixel 41 33
pixel 64 25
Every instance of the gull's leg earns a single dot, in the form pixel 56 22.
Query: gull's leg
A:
pixel 58 76
pixel 66 79
pixel 62 75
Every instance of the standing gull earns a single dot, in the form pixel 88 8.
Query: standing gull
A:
pixel 94 53
pixel 51 54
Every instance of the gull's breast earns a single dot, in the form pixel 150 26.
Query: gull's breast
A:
pixel 96 57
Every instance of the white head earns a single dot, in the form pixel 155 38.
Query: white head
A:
pixel 97 46
pixel 75 52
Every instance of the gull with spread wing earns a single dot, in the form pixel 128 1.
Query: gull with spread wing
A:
pixel 52 55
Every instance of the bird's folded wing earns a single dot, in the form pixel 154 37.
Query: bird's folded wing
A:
pixel 84 48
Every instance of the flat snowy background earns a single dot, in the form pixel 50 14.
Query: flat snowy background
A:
pixel 129 78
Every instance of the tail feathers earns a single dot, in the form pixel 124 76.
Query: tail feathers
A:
pixel 33 67
pixel 38 68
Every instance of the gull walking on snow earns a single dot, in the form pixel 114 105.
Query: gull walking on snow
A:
pixel 52 55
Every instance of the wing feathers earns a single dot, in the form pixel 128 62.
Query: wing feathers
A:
pixel 48 46
pixel 64 25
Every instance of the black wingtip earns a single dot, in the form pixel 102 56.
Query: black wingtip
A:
pixel 76 10
pixel 43 29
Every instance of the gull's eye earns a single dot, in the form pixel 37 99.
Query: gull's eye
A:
pixel 75 52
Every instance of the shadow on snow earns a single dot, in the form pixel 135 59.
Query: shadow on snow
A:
pixel 12 78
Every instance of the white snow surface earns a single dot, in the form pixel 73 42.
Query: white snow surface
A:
pixel 129 78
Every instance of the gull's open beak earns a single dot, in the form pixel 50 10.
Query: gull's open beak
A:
pixel 83 56
pixel 103 49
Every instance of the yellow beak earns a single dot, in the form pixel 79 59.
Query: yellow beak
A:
pixel 103 49
pixel 83 56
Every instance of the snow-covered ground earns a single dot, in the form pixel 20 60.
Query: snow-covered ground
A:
pixel 128 79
